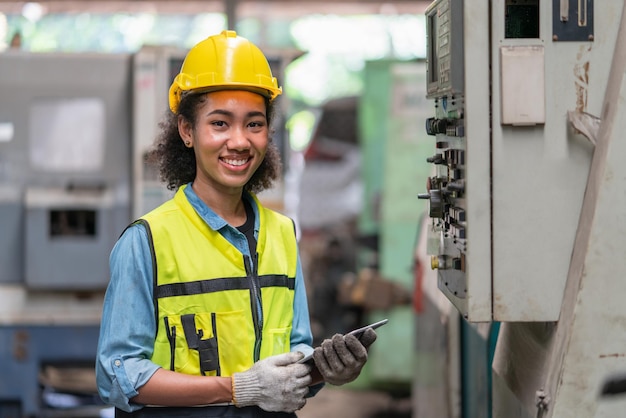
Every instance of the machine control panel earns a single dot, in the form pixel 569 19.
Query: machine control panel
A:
pixel 445 190
pixel 495 141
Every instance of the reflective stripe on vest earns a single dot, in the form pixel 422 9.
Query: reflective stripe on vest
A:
pixel 207 293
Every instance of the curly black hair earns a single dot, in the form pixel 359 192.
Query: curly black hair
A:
pixel 177 163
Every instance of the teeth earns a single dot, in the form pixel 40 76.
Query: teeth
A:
pixel 235 162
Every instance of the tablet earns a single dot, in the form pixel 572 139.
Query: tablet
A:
pixel 356 332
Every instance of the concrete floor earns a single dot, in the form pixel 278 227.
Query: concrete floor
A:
pixel 334 402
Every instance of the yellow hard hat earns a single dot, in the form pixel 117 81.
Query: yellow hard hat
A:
pixel 224 61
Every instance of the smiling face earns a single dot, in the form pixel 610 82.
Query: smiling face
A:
pixel 230 139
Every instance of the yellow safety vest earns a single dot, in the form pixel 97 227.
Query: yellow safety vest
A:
pixel 217 314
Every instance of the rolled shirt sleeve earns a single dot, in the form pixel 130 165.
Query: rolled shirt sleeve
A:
pixel 128 324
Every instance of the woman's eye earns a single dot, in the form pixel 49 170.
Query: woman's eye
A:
pixel 218 123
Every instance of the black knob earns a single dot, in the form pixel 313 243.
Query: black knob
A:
pixel 436 126
pixel 456 186
pixel 436 204
pixel 436 159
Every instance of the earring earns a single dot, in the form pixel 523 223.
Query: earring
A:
pixel 187 143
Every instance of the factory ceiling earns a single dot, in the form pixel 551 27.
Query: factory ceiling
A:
pixel 239 8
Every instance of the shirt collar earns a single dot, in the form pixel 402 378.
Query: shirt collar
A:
pixel 212 219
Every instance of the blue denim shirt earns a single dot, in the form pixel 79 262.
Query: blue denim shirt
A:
pixel 128 325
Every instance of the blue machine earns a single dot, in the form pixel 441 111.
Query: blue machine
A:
pixel 65 182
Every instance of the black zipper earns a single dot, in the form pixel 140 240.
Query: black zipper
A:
pixel 255 301
pixel 218 369
pixel 171 337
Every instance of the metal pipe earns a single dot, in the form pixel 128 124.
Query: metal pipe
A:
pixel 230 8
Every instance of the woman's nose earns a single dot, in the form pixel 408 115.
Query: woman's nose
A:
pixel 238 140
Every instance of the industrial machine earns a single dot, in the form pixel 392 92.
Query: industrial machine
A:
pixel 526 194
pixel 74 133
pixel 65 187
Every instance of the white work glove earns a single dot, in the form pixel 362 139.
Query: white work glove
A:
pixel 274 384
pixel 341 359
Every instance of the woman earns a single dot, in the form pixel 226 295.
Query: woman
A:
pixel 206 304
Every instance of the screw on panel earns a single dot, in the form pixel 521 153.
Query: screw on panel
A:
pixel 591 37
pixel 555 37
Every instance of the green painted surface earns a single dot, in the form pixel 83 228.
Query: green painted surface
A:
pixel 392 114
pixel 373 125
pixel 405 171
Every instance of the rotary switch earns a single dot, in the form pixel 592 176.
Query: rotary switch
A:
pixel 436 203
pixel 450 127
pixel 436 126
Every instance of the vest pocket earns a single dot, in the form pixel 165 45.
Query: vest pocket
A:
pixel 208 343
pixel 208 359
pixel 276 341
